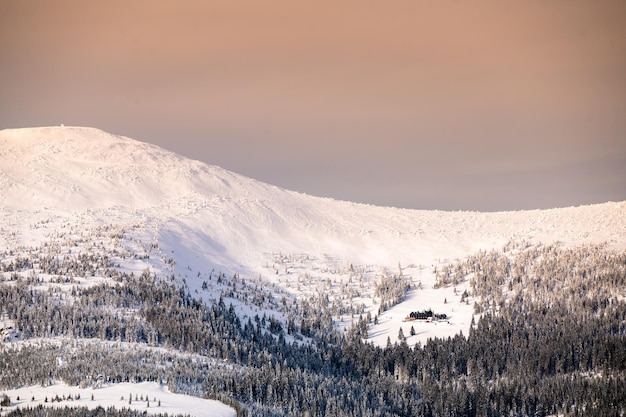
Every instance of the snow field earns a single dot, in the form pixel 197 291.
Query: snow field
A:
pixel 145 397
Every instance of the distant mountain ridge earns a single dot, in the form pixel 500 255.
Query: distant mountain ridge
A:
pixel 209 216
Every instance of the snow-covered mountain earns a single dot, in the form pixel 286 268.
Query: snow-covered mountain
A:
pixel 52 174
pixel 198 218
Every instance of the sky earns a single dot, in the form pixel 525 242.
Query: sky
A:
pixel 482 105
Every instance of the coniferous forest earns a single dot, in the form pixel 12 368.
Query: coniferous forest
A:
pixel 548 338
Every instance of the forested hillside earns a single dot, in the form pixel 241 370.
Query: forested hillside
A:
pixel 549 338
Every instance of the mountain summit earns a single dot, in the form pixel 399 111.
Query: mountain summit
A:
pixel 211 217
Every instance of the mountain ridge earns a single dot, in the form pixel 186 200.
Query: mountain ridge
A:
pixel 58 171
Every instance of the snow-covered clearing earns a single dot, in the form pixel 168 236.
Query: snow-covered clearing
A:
pixel 150 397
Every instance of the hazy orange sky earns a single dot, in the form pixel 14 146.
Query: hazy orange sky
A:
pixel 454 105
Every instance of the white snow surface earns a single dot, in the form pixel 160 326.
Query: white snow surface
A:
pixel 230 220
pixel 204 218
pixel 151 397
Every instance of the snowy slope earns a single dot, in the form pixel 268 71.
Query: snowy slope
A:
pixel 59 172
pixel 205 218
pixel 149 397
